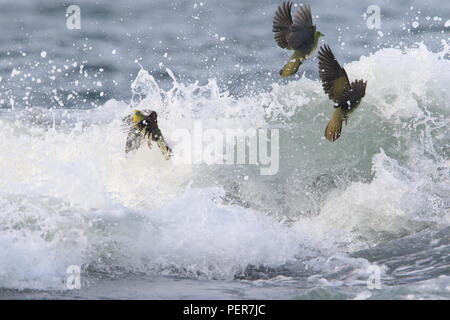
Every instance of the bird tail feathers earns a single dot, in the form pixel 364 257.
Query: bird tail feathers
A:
pixel 165 149
pixel 334 127
pixel 292 66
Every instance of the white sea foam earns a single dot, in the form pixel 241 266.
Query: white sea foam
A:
pixel 68 194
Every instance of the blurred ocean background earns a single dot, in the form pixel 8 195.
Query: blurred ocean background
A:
pixel 374 203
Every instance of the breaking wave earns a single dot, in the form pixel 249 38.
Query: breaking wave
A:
pixel 70 196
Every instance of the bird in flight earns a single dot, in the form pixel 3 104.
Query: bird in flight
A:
pixel 346 96
pixel 144 125
pixel 298 34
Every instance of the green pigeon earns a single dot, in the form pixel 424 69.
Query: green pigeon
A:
pixel 144 125
pixel 298 34
pixel 346 96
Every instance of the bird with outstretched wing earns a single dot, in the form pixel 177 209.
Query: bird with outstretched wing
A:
pixel 346 96
pixel 295 33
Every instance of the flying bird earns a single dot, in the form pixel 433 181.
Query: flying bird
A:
pixel 298 34
pixel 346 96
pixel 144 125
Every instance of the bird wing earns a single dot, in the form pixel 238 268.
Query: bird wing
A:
pixel 294 33
pixel 147 112
pixel 165 149
pixel 303 17
pixel 282 23
pixel 334 78
pixel 134 139
pixel 355 93
pixel 302 31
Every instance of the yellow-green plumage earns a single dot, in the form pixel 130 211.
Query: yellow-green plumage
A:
pixel 298 57
pixel 138 116
pixel 334 126
pixel 142 125
pixel 346 96
pixel 295 33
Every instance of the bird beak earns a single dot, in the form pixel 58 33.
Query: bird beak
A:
pixel 321 34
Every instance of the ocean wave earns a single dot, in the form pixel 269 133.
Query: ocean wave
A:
pixel 70 196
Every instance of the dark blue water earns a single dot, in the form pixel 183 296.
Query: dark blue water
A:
pixel 228 41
